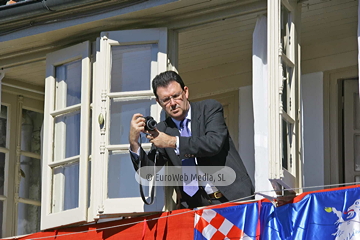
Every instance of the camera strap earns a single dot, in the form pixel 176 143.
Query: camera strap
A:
pixel 152 194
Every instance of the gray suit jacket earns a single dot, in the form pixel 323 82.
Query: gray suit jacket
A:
pixel 210 143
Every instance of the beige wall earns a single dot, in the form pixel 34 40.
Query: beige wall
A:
pixel 215 58
pixel 329 35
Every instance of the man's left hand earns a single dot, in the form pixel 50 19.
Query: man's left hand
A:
pixel 161 140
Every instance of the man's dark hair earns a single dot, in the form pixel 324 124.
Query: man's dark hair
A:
pixel 164 79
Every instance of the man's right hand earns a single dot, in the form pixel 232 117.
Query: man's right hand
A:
pixel 137 125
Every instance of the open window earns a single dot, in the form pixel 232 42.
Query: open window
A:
pixel 126 63
pixel 123 66
pixel 66 136
pixel 284 93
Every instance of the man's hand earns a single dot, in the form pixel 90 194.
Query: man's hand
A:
pixel 161 140
pixel 136 127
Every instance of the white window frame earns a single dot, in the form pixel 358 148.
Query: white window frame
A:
pixel 278 59
pixel 15 103
pixel 77 52
pixel 23 104
pixel 101 205
pixel 8 228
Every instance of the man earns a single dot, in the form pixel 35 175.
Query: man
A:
pixel 208 143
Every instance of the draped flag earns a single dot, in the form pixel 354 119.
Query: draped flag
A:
pixel 319 215
pixel 228 222
pixel 332 214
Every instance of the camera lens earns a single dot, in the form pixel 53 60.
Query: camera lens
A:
pixel 150 123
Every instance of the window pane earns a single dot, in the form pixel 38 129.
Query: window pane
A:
pixel 65 193
pixel 121 177
pixel 30 183
pixel 3 126
pixel 28 219
pixel 2 173
pixel 287 84
pixel 30 131
pixel 120 116
pixel 71 199
pixel 285 28
pixel 67 136
pixel 68 84
pixel 131 67
pixel 284 145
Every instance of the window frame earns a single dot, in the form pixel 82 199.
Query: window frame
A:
pixel 101 205
pixel 15 100
pixel 8 229
pixel 24 103
pixel 77 52
pixel 281 177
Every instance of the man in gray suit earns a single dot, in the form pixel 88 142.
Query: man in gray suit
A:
pixel 208 142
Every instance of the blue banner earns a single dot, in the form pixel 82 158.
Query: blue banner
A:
pixel 321 215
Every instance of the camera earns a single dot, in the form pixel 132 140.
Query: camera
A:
pixel 150 123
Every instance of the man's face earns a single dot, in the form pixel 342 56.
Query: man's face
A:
pixel 174 100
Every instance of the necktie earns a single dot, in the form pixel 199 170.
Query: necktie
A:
pixel 190 186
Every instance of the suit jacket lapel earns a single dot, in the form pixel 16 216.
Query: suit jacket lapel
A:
pixel 195 116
